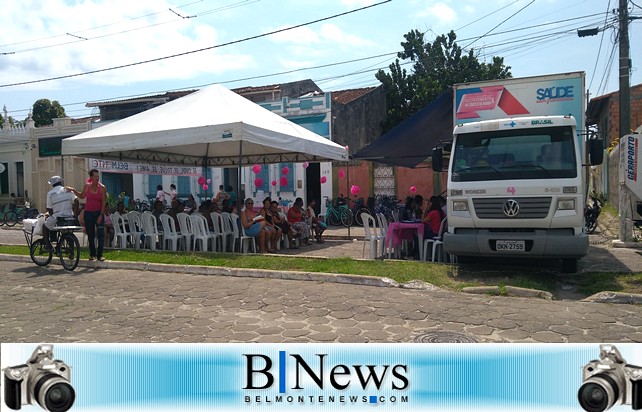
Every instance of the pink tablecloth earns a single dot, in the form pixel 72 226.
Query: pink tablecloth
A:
pixel 398 231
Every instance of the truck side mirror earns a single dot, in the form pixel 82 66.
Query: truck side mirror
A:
pixel 437 159
pixel 595 151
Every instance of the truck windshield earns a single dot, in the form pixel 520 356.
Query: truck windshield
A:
pixel 542 153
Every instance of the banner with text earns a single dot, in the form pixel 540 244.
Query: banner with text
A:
pixel 296 377
pixel 116 166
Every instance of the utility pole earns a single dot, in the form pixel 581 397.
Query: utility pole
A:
pixel 625 115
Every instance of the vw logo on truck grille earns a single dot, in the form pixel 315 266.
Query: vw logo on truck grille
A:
pixel 511 208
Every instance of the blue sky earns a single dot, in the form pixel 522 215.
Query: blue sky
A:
pixel 57 38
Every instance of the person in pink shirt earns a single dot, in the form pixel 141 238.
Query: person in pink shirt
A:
pixel 95 195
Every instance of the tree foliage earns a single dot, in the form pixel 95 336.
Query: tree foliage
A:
pixel 44 111
pixel 435 67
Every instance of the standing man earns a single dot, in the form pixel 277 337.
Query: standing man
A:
pixel 60 203
pixel 96 195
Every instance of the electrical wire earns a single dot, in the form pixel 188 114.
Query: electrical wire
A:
pixel 195 51
pixel 599 50
pixel 502 22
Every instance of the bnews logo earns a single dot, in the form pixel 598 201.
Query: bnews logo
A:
pixel 292 374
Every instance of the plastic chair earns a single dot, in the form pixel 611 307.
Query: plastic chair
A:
pixel 120 235
pixel 217 233
pixel 150 231
pixel 201 233
pixel 136 231
pixel 185 227
pixel 226 229
pixel 383 234
pixel 171 238
pixel 436 243
pixel 243 238
pixel 371 237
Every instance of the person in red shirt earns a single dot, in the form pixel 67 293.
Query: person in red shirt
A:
pixel 95 194
pixel 432 218
pixel 297 217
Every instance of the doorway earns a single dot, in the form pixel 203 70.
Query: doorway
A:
pixel 313 185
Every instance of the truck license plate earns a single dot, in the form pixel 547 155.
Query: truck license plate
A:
pixel 510 246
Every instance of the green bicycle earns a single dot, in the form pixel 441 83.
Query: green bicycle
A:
pixel 338 215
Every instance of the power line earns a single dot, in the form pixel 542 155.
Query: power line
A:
pixel 599 50
pixel 196 51
pixel 502 22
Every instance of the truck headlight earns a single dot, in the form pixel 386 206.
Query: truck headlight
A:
pixel 460 205
pixel 566 204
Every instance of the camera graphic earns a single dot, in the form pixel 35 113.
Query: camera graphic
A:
pixel 42 379
pixel 610 381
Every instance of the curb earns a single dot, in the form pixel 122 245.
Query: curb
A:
pixel 615 297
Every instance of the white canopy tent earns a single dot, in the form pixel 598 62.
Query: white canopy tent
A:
pixel 212 127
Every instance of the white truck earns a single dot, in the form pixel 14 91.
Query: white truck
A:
pixel 516 177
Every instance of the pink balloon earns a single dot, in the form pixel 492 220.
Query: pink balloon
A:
pixel 273 182
pixel 209 181
pixel 413 189
pixel 285 170
pixel 258 182
pixel 205 187
pixel 284 181
pixel 341 173
pixel 201 181
pixel 323 179
pixel 305 165
pixel 256 169
pixel 355 190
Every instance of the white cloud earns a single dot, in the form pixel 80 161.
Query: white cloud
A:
pixel 444 14
pixel 116 35
pixel 300 35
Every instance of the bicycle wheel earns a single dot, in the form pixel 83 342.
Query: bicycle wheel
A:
pixel 2 215
pixel 10 219
pixel 358 218
pixel 333 218
pixel 346 217
pixel 69 251
pixel 40 253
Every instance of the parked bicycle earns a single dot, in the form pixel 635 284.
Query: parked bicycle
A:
pixel 16 216
pixel 63 242
pixel 339 214
pixel 388 206
pixel 4 210
pixel 358 209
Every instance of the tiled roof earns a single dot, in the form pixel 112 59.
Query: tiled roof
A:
pixel 168 96
pixel 346 96
pixel 255 89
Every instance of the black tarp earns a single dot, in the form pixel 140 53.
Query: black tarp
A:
pixel 411 142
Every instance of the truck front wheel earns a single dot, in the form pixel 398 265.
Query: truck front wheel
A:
pixel 569 265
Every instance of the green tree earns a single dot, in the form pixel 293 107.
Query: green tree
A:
pixel 435 67
pixel 44 111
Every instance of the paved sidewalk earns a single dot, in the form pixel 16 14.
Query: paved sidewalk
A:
pixel 129 305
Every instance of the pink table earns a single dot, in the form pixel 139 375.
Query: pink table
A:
pixel 399 231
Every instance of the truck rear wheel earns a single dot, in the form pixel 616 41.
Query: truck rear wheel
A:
pixel 569 265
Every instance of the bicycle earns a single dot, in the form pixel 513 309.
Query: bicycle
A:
pixel 4 210
pixel 358 209
pixel 16 216
pixel 64 244
pixel 337 215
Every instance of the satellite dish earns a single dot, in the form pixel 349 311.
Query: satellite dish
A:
pixel 2 168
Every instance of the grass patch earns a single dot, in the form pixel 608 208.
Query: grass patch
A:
pixel 592 283
pixel 444 276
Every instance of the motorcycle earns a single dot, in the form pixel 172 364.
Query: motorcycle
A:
pixel 591 214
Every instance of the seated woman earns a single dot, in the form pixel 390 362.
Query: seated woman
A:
pixel 298 220
pixel 432 218
pixel 254 227
pixel 190 204
pixel 318 226
pixel 274 232
pixel 282 223
pixel 109 226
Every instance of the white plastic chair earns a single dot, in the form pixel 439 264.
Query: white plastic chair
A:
pixel 171 238
pixel 227 230
pixel 436 243
pixel 371 236
pixel 185 227
pixel 150 230
pixel 383 235
pixel 243 238
pixel 135 228
pixel 217 232
pixel 120 236
pixel 201 233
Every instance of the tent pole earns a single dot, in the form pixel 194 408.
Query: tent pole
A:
pixel 238 180
pixel 348 187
